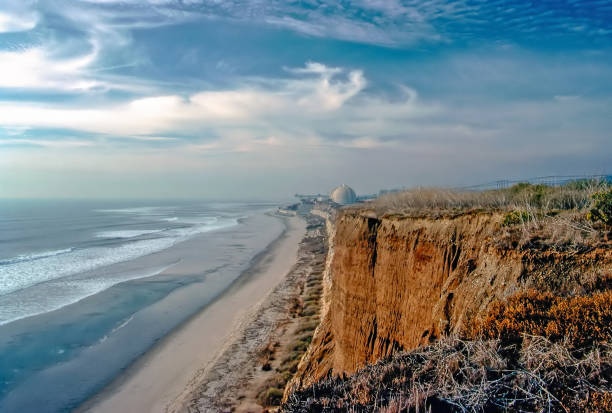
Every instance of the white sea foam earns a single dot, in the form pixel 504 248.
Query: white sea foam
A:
pixel 35 256
pixel 25 271
pixel 127 233
pixel 146 210
pixel 60 293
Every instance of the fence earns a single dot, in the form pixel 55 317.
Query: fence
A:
pixel 552 180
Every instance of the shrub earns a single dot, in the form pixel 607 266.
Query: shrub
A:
pixel 598 402
pixel 468 376
pixel 307 326
pixel 517 217
pixel 601 210
pixel 290 365
pixel 582 321
pixel 533 195
pixel 300 346
pixel 272 397
pixel 431 201
pixel 525 312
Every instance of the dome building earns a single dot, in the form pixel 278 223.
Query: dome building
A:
pixel 343 195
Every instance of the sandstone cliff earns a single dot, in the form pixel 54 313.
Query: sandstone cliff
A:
pixel 396 283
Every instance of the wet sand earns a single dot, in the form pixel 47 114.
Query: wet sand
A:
pixel 159 378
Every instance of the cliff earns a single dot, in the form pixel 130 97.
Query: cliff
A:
pixel 396 283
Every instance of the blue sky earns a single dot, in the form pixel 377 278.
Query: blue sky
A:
pixel 226 99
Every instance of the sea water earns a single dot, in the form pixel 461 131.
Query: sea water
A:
pixel 86 287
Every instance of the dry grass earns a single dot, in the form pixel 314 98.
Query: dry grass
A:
pixel 572 196
pixel 561 230
pixel 535 215
pixel 534 352
pixel 469 376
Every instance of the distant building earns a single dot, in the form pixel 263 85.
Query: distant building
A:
pixel 343 195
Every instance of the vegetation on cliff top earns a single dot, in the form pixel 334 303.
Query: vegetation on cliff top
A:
pixel 577 195
pixel 601 210
pixel 576 215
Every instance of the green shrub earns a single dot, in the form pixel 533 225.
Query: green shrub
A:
pixel 290 365
pixel 533 195
pixel 601 210
pixel 272 397
pixel 583 184
pixel 517 217
pixel 307 326
pixel 308 311
pixel 300 346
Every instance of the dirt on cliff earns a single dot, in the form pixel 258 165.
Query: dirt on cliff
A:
pixel 398 282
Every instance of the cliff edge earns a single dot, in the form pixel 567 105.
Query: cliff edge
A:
pixel 398 282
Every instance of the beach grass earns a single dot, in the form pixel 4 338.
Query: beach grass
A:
pixel 284 358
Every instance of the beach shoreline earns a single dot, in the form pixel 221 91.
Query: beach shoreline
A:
pixel 255 366
pixel 159 378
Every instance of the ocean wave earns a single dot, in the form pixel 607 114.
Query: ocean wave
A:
pixel 145 210
pixel 61 293
pixel 35 256
pixel 197 220
pixel 127 233
pixel 19 273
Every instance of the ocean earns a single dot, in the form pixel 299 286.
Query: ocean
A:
pixel 86 287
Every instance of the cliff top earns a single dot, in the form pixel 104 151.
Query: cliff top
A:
pixel 574 215
pixel 572 196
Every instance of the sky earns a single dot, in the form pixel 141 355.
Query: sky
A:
pixel 256 99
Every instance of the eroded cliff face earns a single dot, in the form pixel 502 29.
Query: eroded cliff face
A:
pixel 397 283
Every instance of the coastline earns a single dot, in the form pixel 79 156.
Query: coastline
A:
pixel 161 375
pixel 254 367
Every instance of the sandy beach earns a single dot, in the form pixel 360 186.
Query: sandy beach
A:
pixel 160 377
pixel 259 360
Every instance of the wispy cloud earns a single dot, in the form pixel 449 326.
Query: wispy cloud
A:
pixel 317 106
pixel 103 28
pixel 17 23
pixel 382 22
pixel 246 107
pixel 46 143
pixel 18 15
pixel 566 98
pixel 33 68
